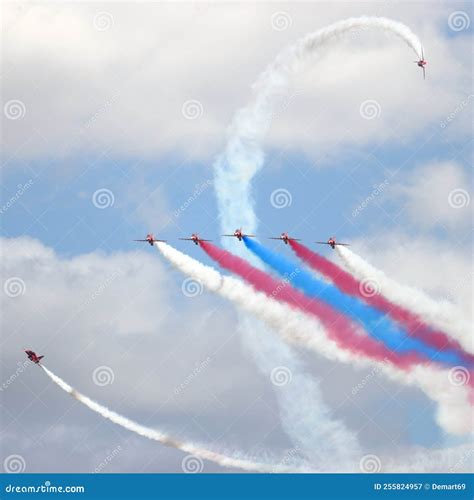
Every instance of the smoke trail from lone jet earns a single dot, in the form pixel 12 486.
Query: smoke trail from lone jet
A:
pixel 243 156
pixel 165 439
pixel 338 327
pixel 368 292
pixel 442 315
pixel 375 323
pixel 453 413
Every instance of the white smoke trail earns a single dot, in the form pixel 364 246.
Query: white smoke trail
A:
pixel 154 435
pixel 243 155
pixel 454 413
pixel 439 314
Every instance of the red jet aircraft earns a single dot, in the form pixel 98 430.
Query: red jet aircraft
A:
pixel 238 233
pixel 32 356
pixel 151 239
pixel 194 238
pixel 285 238
pixel 422 63
pixel 332 243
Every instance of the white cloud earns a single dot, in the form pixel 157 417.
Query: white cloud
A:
pixel 122 89
pixel 437 194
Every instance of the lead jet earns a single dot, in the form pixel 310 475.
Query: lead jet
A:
pixel 422 63
pixel 239 234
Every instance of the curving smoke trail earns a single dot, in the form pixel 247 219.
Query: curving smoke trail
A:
pixel 453 414
pixel 413 324
pixel 442 315
pixel 374 322
pixel 338 327
pixel 154 435
pixel 243 155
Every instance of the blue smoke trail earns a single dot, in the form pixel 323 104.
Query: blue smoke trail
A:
pixel 373 321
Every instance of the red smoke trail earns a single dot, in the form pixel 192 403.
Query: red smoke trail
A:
pixel 339 328
pixel 348 284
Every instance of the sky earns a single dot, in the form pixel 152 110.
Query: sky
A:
pixel 112 116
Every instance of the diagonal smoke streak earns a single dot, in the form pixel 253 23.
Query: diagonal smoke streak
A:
pixel 441 315
pixel 454 413
pixel 154 435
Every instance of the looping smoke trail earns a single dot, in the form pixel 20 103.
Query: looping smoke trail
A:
pixel 348 284
pixel 440 315
pixel 454 413
pixel 154 435
pixel 243 155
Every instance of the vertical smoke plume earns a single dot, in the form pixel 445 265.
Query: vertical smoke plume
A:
pixel 440 315
pixel 154 435
pixel 413 324
pixel 243 157
pixel 454 413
